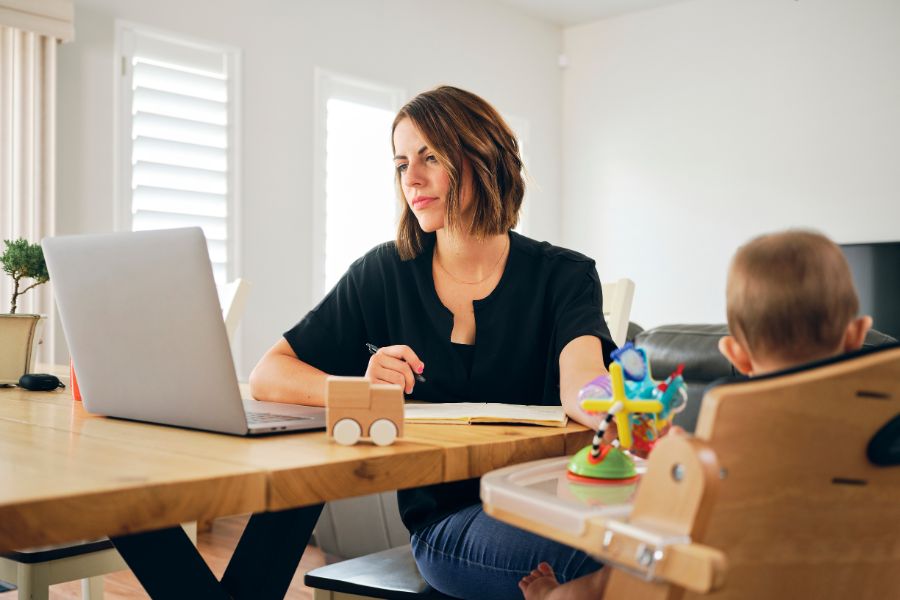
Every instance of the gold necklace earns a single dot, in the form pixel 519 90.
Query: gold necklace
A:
pixel 482 280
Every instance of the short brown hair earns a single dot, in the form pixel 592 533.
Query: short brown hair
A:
pixel 461 127
pixel 790 295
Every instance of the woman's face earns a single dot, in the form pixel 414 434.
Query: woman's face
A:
pixel 424 181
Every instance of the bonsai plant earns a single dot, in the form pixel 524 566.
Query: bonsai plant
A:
pixel 23 260
pixel 20 334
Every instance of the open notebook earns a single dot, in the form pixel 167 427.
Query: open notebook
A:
pixel 466 413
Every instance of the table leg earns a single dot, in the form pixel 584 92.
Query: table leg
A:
pixel 269 552
pixel 168 565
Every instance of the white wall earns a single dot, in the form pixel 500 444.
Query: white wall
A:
pixel 690 128
pixel 501 54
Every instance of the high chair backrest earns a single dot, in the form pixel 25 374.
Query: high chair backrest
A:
pixel 801 511
pixel 617 297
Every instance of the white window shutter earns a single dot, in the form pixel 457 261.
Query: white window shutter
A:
pixel 177 96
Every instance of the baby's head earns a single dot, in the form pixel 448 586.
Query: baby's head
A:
pixel 790 300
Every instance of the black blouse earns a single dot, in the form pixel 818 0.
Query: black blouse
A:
pixel 546 297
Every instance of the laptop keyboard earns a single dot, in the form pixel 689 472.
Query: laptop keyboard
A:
pixel 258 418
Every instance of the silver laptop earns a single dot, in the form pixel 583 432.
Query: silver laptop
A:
pixel 142 319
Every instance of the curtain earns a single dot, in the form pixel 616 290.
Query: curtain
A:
pixel 29 33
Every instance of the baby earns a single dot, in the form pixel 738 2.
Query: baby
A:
pixel 790 300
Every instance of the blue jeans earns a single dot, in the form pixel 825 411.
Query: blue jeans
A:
pixel 470 555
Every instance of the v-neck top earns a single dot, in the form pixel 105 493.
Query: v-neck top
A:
pixel 546 297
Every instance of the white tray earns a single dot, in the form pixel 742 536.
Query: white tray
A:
pixel 540 491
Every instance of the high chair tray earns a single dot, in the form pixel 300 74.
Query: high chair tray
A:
pixel 634 531
pixel 541 491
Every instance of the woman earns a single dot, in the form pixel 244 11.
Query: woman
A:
pixel 481 311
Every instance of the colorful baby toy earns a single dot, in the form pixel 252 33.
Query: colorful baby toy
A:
pixel 641 407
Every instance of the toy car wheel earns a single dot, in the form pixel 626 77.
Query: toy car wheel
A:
pixel 383 432
pixel 346 432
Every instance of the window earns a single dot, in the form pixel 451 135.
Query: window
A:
pixel 356 201
pixel 178 139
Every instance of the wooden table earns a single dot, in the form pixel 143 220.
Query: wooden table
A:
pixel 67 475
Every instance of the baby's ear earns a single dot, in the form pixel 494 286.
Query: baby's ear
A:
pixel 736 354
pixel 856 333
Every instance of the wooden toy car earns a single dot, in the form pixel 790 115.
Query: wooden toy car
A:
pixel 356 408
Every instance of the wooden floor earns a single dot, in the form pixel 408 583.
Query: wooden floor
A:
pixel 216 546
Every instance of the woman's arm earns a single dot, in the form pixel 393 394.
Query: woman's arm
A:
pixel 580 361
pixel 280 376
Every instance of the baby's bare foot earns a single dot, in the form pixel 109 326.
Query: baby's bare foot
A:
pixel 538 584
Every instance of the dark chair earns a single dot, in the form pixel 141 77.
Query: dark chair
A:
pixel 390 574
pixel 35 569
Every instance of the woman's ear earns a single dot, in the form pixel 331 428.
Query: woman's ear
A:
pixel 732 349
pixel 856 332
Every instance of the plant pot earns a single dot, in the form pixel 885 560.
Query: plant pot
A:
pixel 20 336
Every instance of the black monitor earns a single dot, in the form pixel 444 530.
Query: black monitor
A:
pixel 876 273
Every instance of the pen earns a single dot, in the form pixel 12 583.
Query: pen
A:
pixel 373 349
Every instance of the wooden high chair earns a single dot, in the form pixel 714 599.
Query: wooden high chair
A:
pixel 790 489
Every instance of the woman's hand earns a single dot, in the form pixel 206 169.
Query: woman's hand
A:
pixel 395 364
